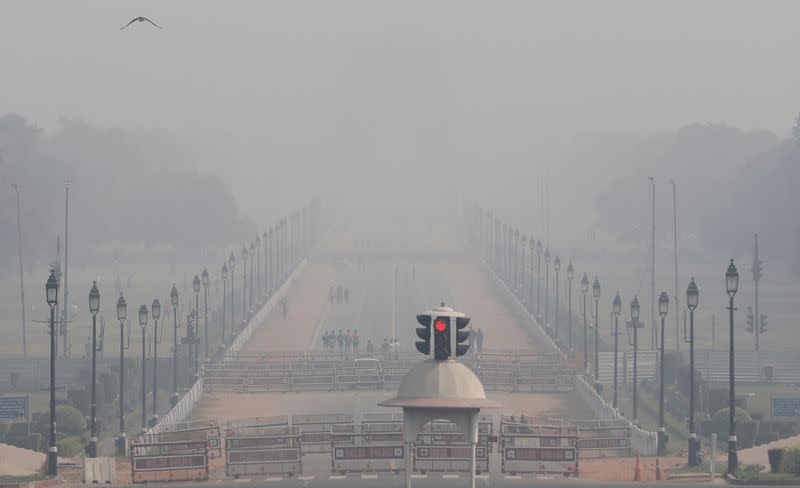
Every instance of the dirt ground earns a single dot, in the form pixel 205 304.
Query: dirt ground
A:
pixel 758 454
pixel 20 462
pixel 308 304
pixel 622 469
pixel 471 286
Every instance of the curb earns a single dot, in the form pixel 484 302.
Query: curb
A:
pixel 31 484
pixel 733 480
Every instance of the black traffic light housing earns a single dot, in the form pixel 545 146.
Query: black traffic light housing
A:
pixel 424 333
pixel 441 338
pixel 462 336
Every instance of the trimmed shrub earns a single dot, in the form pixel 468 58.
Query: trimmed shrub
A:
pixel 79 399
pixel 775 458
pixel 790 461
pixel 69 420
pixel 70 446
pixel 36 441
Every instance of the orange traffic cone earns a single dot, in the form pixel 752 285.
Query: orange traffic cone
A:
pixel 659 472
pixel 637 473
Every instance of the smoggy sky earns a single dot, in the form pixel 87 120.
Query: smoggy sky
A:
pixel 303 87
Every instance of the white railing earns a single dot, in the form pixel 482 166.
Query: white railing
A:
pixel 191 398
pixel 642 441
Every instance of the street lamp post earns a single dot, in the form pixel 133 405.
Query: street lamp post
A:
pixel 663 305
pixel 173 298
pixel 547 288
pixel 692 299
pixel 245 255
pixel 732 286
pixel 143 325
pixel 195 338
pixel 51 294
pixel 205 310
pixel 522 274
pixel 258 268
pixel 530 287
pixel 122 313
pixel 224 293
pixel 635 309
pixel 231 266
pixel 266 268
pixel 616 309
pixel 271 263
pixel 556 268
pixel 596 295
pixel 584 290
pixel 252 286
pixel 155 311
pixel 516 253
pixel 570 275
pixel 538 279
pixel 94 307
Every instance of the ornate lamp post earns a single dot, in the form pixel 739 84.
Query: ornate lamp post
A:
pixel 51 294
pixel 155 311
pixel 538 279
pixel 271 263
pixel 245 255
pixel 530 287
pixel 195 337
pixel 266 268
pixel 173 299
pixel 635 310
pixel 252 286
pixel 596 295
pixel 224 292
pixel 231 266
pixel 663 305
pixel 522 275
pixel 556 268
pixel 692 299
pixel 94 307
pixel 257 245
pixel 122 313
pixel 143 325
pixel 516 253
pixel 570 275
pixel 732 286
pixel 547 288
pixel 616 308
pixel 204 279
pixel 584 290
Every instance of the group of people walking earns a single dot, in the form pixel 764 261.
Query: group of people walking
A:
pixel 346 341
pixel 339 295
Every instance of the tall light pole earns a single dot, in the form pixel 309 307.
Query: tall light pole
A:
pixel 692 299
pixel 51 293
pixel 143 325
pixel 205 309
pixel 64 345
pixel 522 274
pixel 538 279
pixel 245 255
pixel 258 268
pixel 265 272
pixel 732 286
pixel 252 286
pixel 570 275
pixel 635 310
pixel 173 298
pixel 556 268
pixel 224 292
pixel 231 266
pixel 155 311
pixel 616 308
pixel 21 279
pixel 584 290
pixel 94 307
pixel 530 288
pixel 516 253
pixel 271 263
pixel 195 339
pixel 663 305
pixel 122 313
pixel 596 295
pixel 547 287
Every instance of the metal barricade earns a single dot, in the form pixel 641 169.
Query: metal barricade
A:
pixel 366 458
pixel 274 421
pixel 262 450
pixel 208 434
pixel 602 441
pixel 169 461
pixel 450 459
pixel 316 430
pixel 539 449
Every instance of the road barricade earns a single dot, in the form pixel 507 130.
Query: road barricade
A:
pixel 263 451
pixel 368 458
pixel 316 430
pixel 169 461
pixel 601 441
pixel 210 434
pixel 540 449
pixel 440 447
pixel 539 381
pixel 274 421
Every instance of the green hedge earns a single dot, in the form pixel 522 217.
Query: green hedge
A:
pixel 790 461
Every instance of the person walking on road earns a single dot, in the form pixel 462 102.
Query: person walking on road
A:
pixel 348 341
pixel 355 340
pixel 340 340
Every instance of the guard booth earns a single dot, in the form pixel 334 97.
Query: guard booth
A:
pixel 262 450
pixel 537 449
pixel 603 438
pixel 169 461
pixel 441 447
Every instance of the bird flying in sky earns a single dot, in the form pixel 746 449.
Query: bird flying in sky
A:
pixel 140 19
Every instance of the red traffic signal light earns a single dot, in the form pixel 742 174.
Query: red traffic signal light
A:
pixel 440 325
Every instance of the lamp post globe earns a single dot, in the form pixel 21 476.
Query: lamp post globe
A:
pixel 663 306
pixel 692 299
pixel 732 286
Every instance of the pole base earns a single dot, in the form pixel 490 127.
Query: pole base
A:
pixel 121 445
pixel 52 462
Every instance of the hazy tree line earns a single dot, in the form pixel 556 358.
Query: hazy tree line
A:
pixel 129 190
pixel 731 184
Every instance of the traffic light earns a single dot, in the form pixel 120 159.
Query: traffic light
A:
pixel 748 325
pixel 424 333
pixel 441 338
pixel 762 323
pixel 461 336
